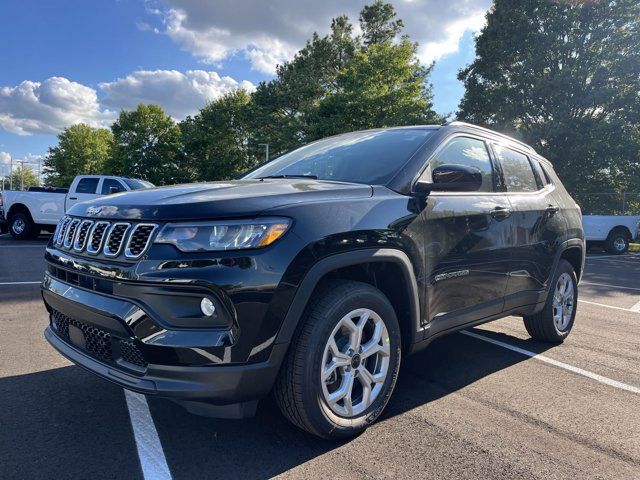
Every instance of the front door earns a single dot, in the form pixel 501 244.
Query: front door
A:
pixel 467 240
pixel 86 189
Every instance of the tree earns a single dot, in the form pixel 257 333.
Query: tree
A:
pixel 80 150
pixel 385 85
pixel 147 145
pixel 564 76
pixel 22 176
pixel 378 23
pixel 216 139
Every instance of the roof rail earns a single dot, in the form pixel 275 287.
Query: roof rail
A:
pixel 511 139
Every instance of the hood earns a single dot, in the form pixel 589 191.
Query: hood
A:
pixel 194 201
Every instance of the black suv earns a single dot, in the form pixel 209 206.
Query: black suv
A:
pixel 311 275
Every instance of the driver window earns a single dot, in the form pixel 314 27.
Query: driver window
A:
pixel 469 152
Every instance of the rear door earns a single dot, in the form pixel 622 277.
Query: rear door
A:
pixel 467 240
pixel 539 228
pixel 85 189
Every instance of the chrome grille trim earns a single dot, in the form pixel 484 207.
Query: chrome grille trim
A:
pixel 70 233
pixel 107 250
pixel 90 248
pixel 84 229
pixel 62 229
pixel 127 251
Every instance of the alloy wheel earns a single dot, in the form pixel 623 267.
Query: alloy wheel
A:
pixel 563 302
pixel 355 362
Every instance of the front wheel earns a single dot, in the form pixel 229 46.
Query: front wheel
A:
pixel 343 362
pixel 555 321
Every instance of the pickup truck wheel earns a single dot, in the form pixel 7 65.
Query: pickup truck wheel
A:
pixel 21 226
pixel 555 321
pixel 617 243
pixel 342 365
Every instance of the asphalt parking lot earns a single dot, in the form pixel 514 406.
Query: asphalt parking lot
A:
pixel 489 403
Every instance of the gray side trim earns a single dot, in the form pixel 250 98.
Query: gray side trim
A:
pixel 340 260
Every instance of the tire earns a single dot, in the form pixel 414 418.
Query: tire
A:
pixel 300 391
pixel 543 325
pixel 617 243
pixel 21 227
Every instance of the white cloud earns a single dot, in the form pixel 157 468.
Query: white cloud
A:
pixel 180 94
pixel 267 33
pixel 49 106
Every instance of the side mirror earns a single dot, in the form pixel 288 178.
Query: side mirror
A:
pixel 113 190
pixel 451 178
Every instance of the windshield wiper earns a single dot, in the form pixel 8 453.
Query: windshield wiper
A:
pixel 312 177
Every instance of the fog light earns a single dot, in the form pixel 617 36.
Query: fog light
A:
pixel 207 307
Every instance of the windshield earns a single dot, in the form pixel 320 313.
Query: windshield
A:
pixel 372 157
pixel 135 184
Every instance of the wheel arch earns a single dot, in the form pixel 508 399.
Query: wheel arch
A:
pixel 573 251
pixel 363 265
pixel 19 208
pixel 622 229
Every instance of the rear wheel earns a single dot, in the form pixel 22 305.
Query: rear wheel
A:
pixel 21 226
pixel 617 243
pixel 343 362
pixel 554 322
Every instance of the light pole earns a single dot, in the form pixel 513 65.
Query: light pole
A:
pixel 266 150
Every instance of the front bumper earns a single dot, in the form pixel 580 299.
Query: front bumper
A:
pixel 97 332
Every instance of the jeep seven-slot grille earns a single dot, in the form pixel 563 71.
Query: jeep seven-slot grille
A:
pixel 102 237
pixel 96 342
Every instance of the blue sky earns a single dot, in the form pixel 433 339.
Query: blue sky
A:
pixel 75 60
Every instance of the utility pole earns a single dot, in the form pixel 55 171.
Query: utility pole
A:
pixel 22 175
pixel 266 150
pixel 11 174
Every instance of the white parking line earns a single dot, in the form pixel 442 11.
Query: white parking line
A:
pixel 609 306
pixel 21 283
pixel 610 286
pixel 551 361
pixel 152 459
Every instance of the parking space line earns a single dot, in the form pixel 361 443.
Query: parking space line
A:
pixel 636 307
pixel 609 306
pixel 551 361
pixel 610 286
pixel 152 459
pixel 21 283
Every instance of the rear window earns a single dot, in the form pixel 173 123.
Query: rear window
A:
pixel 87 185
pixel 517 171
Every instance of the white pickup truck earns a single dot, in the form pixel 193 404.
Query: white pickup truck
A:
pixel 612 232
pixel 26 214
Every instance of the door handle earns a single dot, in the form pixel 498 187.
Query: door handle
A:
pixel 552 209
pixel 73 198
pixel 500 213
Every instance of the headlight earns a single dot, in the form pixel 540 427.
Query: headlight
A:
pixel 223 234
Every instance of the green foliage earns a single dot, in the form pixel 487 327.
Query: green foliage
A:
pixel 378 23
pixel 383 86
pixel 80 150
pixel 564 76
pixel 215 140
pixel 147 145
pixel 22 176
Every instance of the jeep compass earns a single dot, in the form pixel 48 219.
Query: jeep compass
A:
pixel 312 275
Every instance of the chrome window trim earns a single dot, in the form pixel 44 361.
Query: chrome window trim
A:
pixel 90 251
pixel 127 250
pixel 105 247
